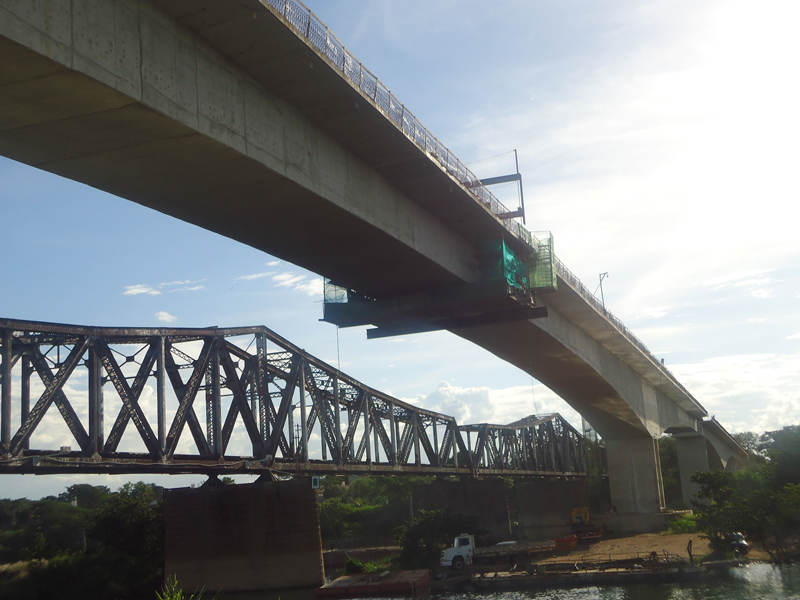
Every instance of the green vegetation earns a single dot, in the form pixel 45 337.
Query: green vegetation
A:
pixel 372 511
pixel 88 542
pixel 423 539
pixel 762 501
pixel 684 524
pixel 171 591
pixel 365 511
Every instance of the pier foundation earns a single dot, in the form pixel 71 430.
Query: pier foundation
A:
pixel 260 536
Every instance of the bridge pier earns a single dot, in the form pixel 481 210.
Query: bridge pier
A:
pixel 710 448
pixel 692 457
pixel 251 537
pixel 634 476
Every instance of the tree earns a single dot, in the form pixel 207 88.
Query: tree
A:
pixel 782 448
pixel 131 522
pixel 85 495
pixel 754 502
pixel 423 538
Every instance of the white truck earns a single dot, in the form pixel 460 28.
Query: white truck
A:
pixel 464 552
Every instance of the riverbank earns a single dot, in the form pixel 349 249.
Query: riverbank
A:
pixel 644 543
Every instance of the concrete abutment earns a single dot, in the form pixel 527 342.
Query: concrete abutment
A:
pixel 249 537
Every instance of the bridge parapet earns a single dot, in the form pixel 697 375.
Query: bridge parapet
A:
pixel 308 26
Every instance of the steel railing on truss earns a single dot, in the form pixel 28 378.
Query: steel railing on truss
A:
pixel 315 31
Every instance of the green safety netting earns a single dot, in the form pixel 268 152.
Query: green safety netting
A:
pixel 498 261
pixel 542 273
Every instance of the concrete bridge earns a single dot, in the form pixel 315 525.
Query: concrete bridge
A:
pixel 249 118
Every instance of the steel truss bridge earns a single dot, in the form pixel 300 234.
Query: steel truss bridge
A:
pixel 126 396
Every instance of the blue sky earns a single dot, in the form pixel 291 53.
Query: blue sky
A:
pixel 657 142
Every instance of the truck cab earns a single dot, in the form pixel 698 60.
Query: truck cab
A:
pixel 460 554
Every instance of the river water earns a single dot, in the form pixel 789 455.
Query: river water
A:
pixel 757 581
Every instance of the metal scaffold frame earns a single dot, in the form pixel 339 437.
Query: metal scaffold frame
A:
pixel 268 406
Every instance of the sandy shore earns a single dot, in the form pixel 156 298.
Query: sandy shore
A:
pixel 649 542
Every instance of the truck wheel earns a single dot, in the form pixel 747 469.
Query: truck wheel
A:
pixel 458 563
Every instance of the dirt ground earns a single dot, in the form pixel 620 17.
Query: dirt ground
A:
pixel 649 542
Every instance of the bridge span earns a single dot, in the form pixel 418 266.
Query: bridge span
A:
pixel 235 400
pixel 251 119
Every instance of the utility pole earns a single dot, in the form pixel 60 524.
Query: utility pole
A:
pixel 602 298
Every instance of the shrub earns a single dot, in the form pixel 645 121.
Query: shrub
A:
pixel 684 524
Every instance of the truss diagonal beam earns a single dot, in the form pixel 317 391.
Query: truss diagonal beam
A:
pixel 130 399
pixel 239 405
pixel 187 394
pixel 53 393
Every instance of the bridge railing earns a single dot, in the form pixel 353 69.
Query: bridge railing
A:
pixel 587 295
pixel 320 36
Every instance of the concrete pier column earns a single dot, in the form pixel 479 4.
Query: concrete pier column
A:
pixel 252 537
pixel 634 476
pixel 692 457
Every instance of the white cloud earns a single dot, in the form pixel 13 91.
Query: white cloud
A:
pixel 165 317
pixel 140 288
pixel 273 263
pixel 312 288
pixel 300 283
pixel 761 294
pixel 753 282
pixel 496 406
pixel 796 336
pixel 287 279
pixel 188 285
pixel 655 312
pixel 736 278
pixel 467 405
pixel 254 276
pixel 748 392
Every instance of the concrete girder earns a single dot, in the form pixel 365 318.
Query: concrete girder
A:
pixel 617 400
pixel 176 127
pixel 625 409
